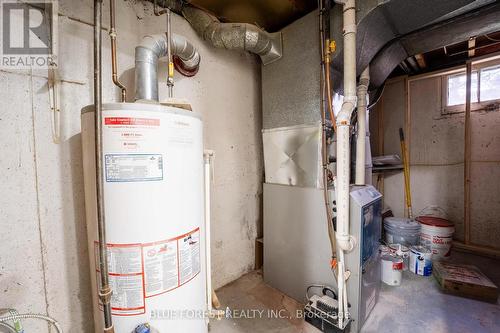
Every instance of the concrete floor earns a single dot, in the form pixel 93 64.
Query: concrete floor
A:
pixel 416 306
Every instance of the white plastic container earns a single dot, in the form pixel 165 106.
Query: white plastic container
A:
pixel 437 234
pixel 420 260
pixel 402 231
pixel 392 270
pixel 153 196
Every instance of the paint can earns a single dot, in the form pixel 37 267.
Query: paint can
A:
pixel 402 252
pixel 401 230
pixel 437 234
pixel 392 270
pixel 421 260
pixel 383 249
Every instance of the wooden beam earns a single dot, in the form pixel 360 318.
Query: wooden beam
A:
pixel 476 249
pixel 421 60
pixel 467 153
pixel 472 47
pixel 407 127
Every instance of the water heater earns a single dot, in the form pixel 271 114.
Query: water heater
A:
pixel 154 210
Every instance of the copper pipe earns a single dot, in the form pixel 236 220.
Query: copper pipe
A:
pixel 170 77
pixel 331 232
pixel 114 66
pixel 328 52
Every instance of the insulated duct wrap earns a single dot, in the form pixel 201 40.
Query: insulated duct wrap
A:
pixel 152 48
pixel 234 36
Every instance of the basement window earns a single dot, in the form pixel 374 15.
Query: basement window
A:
pixel 485 89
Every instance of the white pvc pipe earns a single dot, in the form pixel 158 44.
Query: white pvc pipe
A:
pixel 364 82
pixel 208 154
pixel 346 242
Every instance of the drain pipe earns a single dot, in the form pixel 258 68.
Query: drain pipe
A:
pixel 345 241
pixel 105 291
pixel 364 82
pixel 147 54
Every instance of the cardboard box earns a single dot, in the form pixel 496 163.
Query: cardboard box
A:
pixel 465 280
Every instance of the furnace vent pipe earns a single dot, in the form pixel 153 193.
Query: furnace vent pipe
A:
pixel 147 54
pixel 235 36
pixel 345 241
pixel 364 82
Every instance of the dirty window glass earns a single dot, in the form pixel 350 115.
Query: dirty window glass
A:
pixel 457 89
pixel 490 83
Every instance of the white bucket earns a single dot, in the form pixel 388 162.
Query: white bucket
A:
pixel 401 230
pixel 392 270
pixel 420 260
pixel 437 234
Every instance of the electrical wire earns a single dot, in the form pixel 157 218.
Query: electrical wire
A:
pixel 324 150
pixel 492 39
pixel 320 286
pixel 32 316
pixel 17 323
pixel 7 326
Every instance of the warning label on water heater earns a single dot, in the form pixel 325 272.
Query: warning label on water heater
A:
pixel 133 167
pixel 125 278
pixel 171 263
pixel 189 256
pixel 160 267
pixel 143 270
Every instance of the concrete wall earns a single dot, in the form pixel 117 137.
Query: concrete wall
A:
pixel 43 252
pixel 437 156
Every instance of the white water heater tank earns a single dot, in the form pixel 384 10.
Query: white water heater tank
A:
pixel 154 209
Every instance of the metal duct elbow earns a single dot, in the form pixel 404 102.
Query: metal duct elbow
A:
pixel 147 54
pixel 235 36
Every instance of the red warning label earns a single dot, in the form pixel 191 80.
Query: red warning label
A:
pixel 128 121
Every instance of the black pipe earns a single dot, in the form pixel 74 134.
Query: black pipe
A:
pixel 105 291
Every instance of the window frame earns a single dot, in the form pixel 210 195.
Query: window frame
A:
pixel 475 106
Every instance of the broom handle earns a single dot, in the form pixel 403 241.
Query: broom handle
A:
pixel 406 168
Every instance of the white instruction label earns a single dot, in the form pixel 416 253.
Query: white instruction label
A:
pixel 161 272
pixel 128 294
pixel 125 278
pixel 189 256
pixel 133 167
